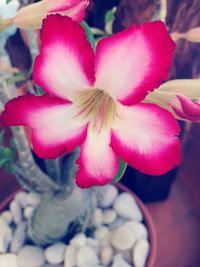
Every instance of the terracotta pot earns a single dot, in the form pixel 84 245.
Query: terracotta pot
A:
pixel 147 220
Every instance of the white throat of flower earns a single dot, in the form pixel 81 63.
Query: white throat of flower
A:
pixel 97 107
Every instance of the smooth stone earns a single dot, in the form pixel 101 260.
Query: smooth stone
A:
pixel 31 256
pixel 126 254
pixel 55 254
pixel 16 212
pixel 109 216
pixel 5 236
pixel 19 237
pixel 102 234
pixel 33 199
pixel 140 253
pixel 126 206
pixel 118 261
pixel 138 229
pixel 106 255
pixel 8 260
pixel 97 217
pixel 94 244
pixel 28 212
pixel 7 217
pixel 123 238
pixel 117 223
pixel 21 198
pixel 79 240
pixel 70 256
pixel 86 257
pixel 108 195
pixel 51 265
pixel 91 242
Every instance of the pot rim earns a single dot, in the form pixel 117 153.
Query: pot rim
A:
pixel 147 218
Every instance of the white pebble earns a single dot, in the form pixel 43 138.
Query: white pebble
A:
pixel 126 254
pixel 28 211
pixel 70 256
pixel 21 198
pixel 86 257
pixel 109 216
pixel 108 195
pixel 118 261
pixel 106 255
pixel 102 234
pixel 54 254
pixel 126 206
pixel 118 222
pixel 31 256
pixel 7 216
pixel 79 240
pixel 97 217
pixel 123 238
pixel 140 253
pixel 91 242
pixel 138 229
pixel 51 265
pixel 33 199
pixel 8 260
pixel 5 236
pixel 16 212
pixel 19 237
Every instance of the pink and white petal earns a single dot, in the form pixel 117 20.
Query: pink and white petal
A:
pixel 74 9
pixel 145 136
pixel 98 164
pixel 66 61
pixel 54 127
pixel 187 109
pixel 133 62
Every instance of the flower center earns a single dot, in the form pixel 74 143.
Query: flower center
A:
pixel 96 106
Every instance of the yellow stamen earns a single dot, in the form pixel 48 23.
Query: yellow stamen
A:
pixel 97 107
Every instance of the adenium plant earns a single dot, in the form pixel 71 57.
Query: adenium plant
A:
pixel 95 100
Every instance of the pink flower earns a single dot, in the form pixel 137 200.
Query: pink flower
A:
pixel 180 97
pixel 31 16
pixel 93 101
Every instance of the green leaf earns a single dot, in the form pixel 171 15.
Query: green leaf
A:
pixel 89 34
pixel 13 144
pixel 39 90
pixel 98 39
pixel 8 168
pixel 8 1
pixel 3 162
pixel 8 153
pixel 2 137
pixel 121 171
